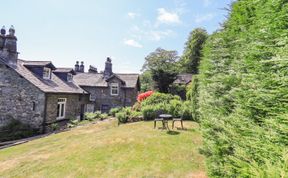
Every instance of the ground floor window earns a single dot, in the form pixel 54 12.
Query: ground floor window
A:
pixel 61 108
pixel 90 108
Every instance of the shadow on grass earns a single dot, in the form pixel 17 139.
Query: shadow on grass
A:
pixel 171 132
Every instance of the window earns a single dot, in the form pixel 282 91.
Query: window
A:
pixel 46 73
pixel 90 108
pixel 69 77
pixel 61 108
pixel 33 106
pixel 114 89
pixel 92 97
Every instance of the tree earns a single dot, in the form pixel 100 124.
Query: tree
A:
pixel 163 67
pixel 147 82
pixel 193 51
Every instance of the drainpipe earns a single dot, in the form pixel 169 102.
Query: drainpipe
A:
pixel 45 113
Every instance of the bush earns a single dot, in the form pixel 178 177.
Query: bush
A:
pixel 157 98
pixel 187 111
pixel 153 111
pixel 113 111
pixel 15 129
pixel 91 116
pixel 136 106
pixel 122 117
pixel 103 116
pixel 175 108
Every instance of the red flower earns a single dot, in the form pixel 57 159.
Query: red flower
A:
pixel 145 95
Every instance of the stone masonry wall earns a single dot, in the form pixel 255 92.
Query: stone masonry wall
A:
pixel 104 97
pixel 73 106
pixel 19 99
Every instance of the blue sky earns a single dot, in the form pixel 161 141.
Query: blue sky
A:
pixel 64 31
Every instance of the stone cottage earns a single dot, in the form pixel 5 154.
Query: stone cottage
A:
pixel 40 95
pixel 36 92
pixel 107 89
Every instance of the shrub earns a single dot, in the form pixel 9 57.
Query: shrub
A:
pixel 91 116
pixel 55 126
pixel 175 108
pixel 103 116
pixel 153 111
pixel 187 111
pixel 157 98
pixel 113 111
pixel 136 106
pixel 122 117
pixel 141 97
pixel 15 129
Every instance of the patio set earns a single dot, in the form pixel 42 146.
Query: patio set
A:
pixel 164 119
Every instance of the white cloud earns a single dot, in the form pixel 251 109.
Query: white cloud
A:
pixel 132 15
pixel 167 17
pixel 159 35
pixel 148 32
pixel 204 18
pixel 133 43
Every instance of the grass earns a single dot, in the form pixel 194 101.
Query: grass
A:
pixel 106 150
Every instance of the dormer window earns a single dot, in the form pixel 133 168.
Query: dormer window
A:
pixel 69 77
pixel 114 89
pixel 46 73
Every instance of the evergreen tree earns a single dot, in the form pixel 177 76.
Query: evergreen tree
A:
pixel 193 51
pixel 163 67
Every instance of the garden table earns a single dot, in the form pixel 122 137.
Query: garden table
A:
pixel 164 119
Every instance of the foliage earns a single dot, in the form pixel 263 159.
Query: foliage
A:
pixel 193 51
pixel 113 111
pixel 142 96
pixel 175 108
pixel 243 86
pixel 91 116
pixel 15 129
pixel 150 112
pixel 147 82
pixel 193 95
pixel 157 98
pixel 187 113
pixel 136 106
pixel 122 117
pixel 177 89
pixel 54 126
pixel 163 67
pixel 103 116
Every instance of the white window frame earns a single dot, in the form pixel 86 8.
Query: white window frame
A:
pixel 62 108
pixel 46 73
pixel 69 77
pixel 92 97
pixel 89 107
pixel 114 86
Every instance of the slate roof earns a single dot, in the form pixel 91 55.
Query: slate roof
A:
pixel 97 79
pixel 183 79
pixel 64 70
pixel 55 85
pixel 39 64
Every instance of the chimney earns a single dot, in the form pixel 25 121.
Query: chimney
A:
pixel 81 68
pixel 2 37
pixel 8 46
pixel 92 69
pixel 108 68
pixel 76 66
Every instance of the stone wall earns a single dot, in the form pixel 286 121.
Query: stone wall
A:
pixel 73 107
pixel 20 100
pixel 126 97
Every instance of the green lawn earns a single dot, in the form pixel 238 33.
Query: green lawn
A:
pixel 106 150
